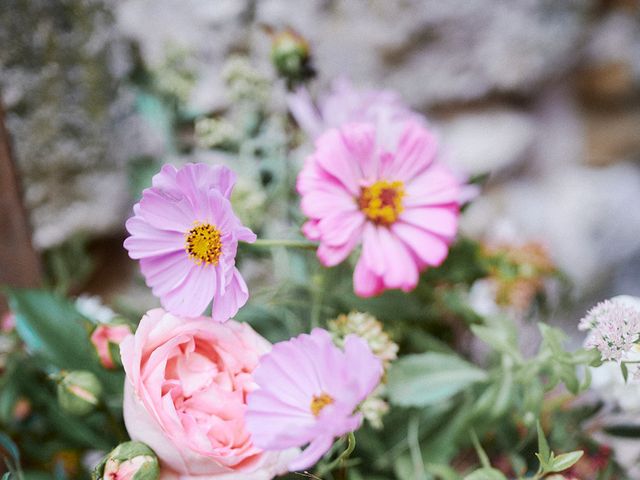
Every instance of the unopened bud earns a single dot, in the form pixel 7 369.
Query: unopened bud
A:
pixel 291 56
pixel 106 340
pixel 128 461
pixel 79 392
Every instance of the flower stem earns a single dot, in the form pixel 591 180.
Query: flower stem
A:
pixel 269 243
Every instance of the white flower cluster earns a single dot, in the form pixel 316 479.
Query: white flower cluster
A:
pixel 614 328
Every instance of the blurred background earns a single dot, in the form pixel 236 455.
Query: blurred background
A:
pixel 536 100
pixel 541 95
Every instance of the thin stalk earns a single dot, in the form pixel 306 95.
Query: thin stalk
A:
pixel 270 243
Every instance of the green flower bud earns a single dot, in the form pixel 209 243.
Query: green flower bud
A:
pixel 78 392
pixel 291 56
pixel 132 460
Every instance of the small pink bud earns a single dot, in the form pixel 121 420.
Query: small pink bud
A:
pixel 107 336
pixel 8 322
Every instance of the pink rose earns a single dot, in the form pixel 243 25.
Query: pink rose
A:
pixel 104 335
pixel 186 397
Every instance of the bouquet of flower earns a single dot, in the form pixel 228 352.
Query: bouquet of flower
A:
pixel 322 316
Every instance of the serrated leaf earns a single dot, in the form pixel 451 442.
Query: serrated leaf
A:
pixel 429 378
pixel 564 461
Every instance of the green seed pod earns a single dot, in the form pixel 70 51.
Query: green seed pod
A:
pixel 79 392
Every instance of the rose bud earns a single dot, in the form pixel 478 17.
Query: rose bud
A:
pixel 106 340
pixel 128 461
pixel 78 392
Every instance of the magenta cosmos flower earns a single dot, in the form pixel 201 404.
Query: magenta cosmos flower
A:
pixel 308 392
pixel 388 193
pixel 185 234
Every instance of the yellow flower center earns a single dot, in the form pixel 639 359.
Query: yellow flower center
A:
pixel 381 202
pixel 318 402
pixel 203 244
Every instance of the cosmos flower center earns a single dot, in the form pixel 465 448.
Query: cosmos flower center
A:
pixel 381 202
pixel 318 402
pixel 203 244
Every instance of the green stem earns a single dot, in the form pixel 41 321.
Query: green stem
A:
pixel 269 243
pixel 413 436
pixel 351 445
pixel 317 296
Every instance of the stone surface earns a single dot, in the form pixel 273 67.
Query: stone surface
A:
pixel 67 115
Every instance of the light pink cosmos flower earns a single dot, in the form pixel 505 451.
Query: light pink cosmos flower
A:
pixel 346 104
pixel 390 195
pixel 308 392
pixel 185 234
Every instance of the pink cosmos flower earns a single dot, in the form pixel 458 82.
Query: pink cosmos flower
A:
pixel 308 392
pixel 391 195
pixel 347 104
pixel 186 396
pixel 105 335
pixel 185 234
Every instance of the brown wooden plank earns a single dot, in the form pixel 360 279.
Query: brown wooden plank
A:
pixel 19 262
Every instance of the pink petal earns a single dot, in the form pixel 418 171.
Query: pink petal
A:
pixel 195 177
pixel 440 220
pixel 400 270
pixel 363 361
pixel 319 203
pixel 310 230
pixel 310 455
pixel 334 158
pixel 339 227
pixel 372 249
pixel 194 294
pixel 366 283
pixel 152 242
pixel 304 111
pixel 166 213
pixel 166 272
pixel 435 186
pixel 414 153
pixel 428 247
pixel 235 295
pixel 360 141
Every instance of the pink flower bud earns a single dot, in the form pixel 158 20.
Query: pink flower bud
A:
pixel 104 338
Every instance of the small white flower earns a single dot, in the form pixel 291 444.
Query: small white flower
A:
pixel 614 327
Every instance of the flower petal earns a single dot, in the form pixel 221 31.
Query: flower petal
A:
pixel 310 455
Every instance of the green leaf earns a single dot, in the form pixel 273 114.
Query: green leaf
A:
pixel 7 447
pixel 564 461
pixel 482 455
pixel 442 471
pixel 52 328
pixel 486 474
pixel 497 338
pixel 625 372
pixel 624 431
pixel 543 447
pixel 429 378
